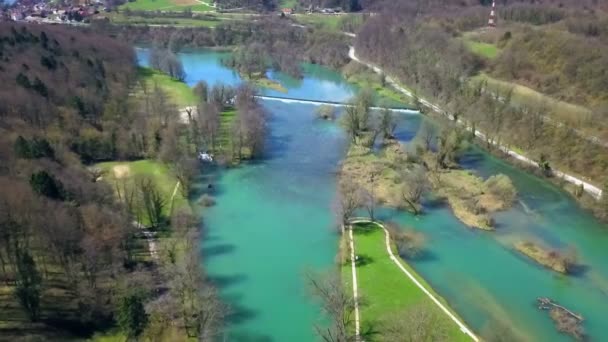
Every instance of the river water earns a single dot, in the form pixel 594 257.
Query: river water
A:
pixel 273 223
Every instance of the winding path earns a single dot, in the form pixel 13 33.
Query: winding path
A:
pixel 588 187
pixel 396 261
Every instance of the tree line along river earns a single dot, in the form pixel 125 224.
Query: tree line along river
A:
pixel 273 222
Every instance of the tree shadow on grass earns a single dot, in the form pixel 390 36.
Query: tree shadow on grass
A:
pixel 369 331
pixel 362 260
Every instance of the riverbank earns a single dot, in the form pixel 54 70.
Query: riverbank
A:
pixel 391 288
pixel 588 187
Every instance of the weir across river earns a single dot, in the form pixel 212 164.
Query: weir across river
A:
pixel 404 109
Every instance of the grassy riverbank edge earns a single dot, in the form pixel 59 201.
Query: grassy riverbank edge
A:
pixel 379 301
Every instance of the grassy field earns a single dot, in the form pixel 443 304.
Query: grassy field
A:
pixel 362 77
pixel 121 19
pixel 385 290
pixel 318 20
pixel 166 5
pixel 288 3
pixel 179 92
pixel 117 172
pixel 527 97
pixel 486 50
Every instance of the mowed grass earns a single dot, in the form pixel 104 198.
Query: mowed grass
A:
pixel 117 172
pixel 121 19
pixel 528 97
pixel 166 5
pixel 179 92
pixel 385 290
pixel 318 20
pixel 486 50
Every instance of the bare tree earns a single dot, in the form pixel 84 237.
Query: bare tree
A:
pixel 415 185
pixel 348 200
pixel 388 123
pixel 209 122
pixel 351 122
pixel 425 135
pixel 419 323
pixel 369 195
pixel 153 201
pixel 336 303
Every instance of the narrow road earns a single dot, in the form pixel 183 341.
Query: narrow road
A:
pixel 588 187
pixel 398 263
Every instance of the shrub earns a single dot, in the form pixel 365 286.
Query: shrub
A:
pixel 326 112
pixel 207 201
pixel 501 187
pixel 410 244
pixel 45 184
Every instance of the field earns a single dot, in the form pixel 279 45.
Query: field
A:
pixel 121 19
pixel 179 92
pixel 527 97
pixel 288 3
pixel 324 21
pixel 117 172
pixel 385 291
pixel 486 50
pixel 167 5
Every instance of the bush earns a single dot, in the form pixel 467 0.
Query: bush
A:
pixel 410 244
pixel 326 112
pixel 501 187
pixel 207 201
pixel 45 184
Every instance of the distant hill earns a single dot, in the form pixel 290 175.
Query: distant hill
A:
pixel 42 65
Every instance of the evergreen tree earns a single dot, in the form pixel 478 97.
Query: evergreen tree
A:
pixel 28 286
pixel 132 317
pixel 22 148
pixel 45 184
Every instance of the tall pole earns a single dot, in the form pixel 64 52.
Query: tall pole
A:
pixel 492 20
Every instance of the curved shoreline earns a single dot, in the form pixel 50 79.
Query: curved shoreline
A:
pixel 463 328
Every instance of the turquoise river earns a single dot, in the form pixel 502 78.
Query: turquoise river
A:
pixel 273 223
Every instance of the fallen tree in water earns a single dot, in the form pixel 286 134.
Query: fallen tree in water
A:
pixel 566 321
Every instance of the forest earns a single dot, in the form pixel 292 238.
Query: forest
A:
pixel 74 255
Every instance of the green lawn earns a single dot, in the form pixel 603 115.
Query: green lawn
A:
pixel 116 172
pixel 486 50
pixel 179 92
pixel 387 95
pixel 318 20
pixel 166 5
pixel 121 19
pixel 385 290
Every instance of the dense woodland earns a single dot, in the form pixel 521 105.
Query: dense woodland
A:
pixel 559 50
pixel 71 259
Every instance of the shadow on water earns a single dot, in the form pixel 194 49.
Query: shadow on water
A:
pixel 424 256
pixel 218 249
pixel 277 147
pixel 226 281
